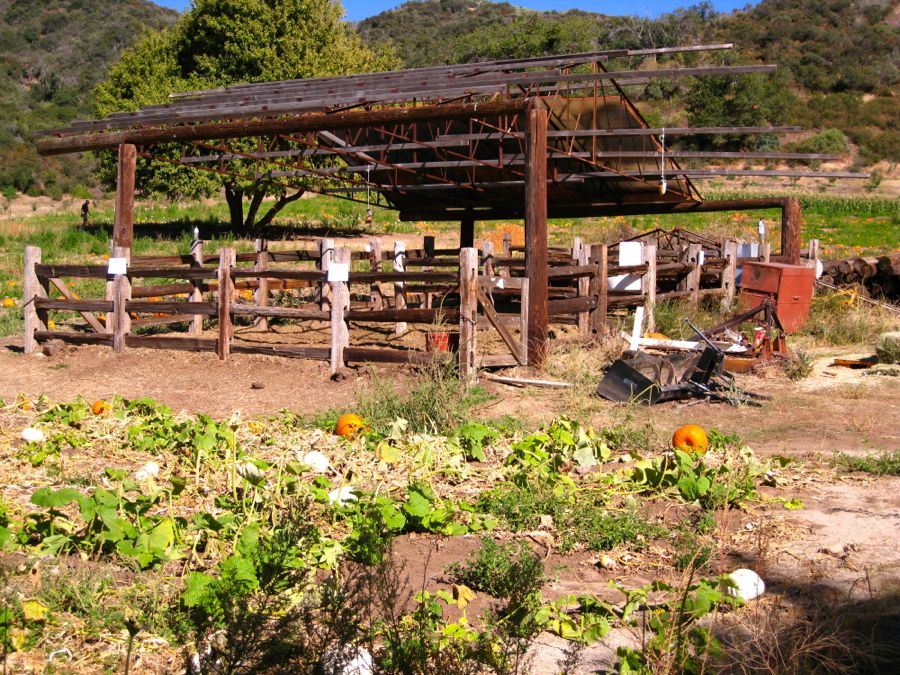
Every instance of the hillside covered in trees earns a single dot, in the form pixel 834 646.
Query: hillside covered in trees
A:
pixel 838 58
pixel 52 54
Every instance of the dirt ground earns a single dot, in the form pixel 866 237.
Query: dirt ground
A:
pixel 840 545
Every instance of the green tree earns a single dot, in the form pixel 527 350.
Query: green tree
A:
pixel 222 42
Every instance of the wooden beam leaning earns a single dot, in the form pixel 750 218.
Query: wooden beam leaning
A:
pixel 226 299
pixel 536 233
pixel 123 228
pixel 468 313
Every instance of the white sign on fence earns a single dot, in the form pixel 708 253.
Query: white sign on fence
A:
pixel 338 271
pixel 117 266
pixel 630 253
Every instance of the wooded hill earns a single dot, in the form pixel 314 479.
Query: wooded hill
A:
pixel 52 54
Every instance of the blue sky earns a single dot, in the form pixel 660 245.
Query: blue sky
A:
pixel 360 9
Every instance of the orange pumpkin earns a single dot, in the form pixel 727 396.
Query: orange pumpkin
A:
pixel 691 438
pixel 349 425
pixel 100 407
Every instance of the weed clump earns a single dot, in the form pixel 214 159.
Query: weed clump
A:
pixel 509 571
pixel 880 464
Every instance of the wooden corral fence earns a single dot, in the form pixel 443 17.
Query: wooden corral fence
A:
pixel 448 290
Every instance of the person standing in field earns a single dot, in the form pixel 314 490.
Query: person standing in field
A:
pixel 85 212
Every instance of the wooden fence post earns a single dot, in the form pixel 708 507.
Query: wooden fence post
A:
pixel 600 288
pixel 121 296
pixel 326 255
pixel 523 317
pixel 399 292
pixel 507 252
pixel 487 254
pixel 729 272
pixel 693 277
pixel 197 293
pixel 340 303
pixel 468 313
pixel 226 299
pixel 376 294
pixel 32 289
pixel 108 296
pixel 648 281
pixel 261 246
pixel 791 230
pixel 813 253
pixel 582 253
pixel 536 261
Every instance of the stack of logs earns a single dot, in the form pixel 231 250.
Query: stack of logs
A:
pixel 880 275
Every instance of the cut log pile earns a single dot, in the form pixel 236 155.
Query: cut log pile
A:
pixel 880 274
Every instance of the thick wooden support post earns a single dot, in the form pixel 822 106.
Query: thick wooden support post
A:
pixel 693 277
pixel 32 288
pixel 340 303
pixel 121 295
pixel 261 295
pixel 326 255
pixel 765 251
pixel 123 229
pixel 729 272
pixel 197 293
pixel 536 234
pixel 791 230
pixel 376 293
pixel 648 283
pixel 226 299
pixel 581 252
pixel 468 313
pixel 600 288
pixel 399 291
pixel 467 232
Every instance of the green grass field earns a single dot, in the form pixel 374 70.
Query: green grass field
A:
pixel 846 227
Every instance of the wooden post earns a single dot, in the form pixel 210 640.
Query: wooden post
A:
pixel 226 299
pixel 399 292
pixel 428 245
pixel 197 293
pixel 693 277
pixel 536 234
pixel 32 289
pixel 791 230
pixel 765 251
pixel 467 231
pixel 121 295
pixel 582 253
pixel 108 296
pixel 507 252
pixel 600 288
pixel 428 248
pixel 340 303
pixel 523 318
pixel 261 296
pixel 487 252
pixel 813 253
pixel 729 273
pixel 468 312
pixel 123 228
pixel 648 283
pixel 326 255
pixel 376 294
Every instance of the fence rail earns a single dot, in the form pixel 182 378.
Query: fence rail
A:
pixel 464 289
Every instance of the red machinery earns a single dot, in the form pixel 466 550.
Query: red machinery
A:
pixel 788 287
